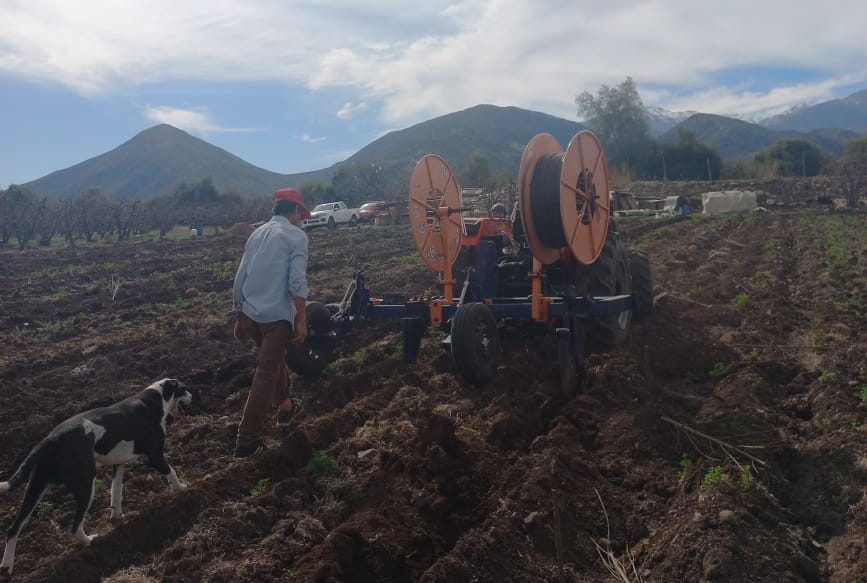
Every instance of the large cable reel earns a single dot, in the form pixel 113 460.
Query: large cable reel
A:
pixel 435 206
pixel 564 199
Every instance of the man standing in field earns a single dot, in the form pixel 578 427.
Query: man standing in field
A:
pixel 271 291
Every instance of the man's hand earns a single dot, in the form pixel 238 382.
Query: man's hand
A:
pixel 242 327
pixel 300 323
pixel 300 334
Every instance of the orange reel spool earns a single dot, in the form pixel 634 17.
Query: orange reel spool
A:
pixel 434 213
pixel 584 198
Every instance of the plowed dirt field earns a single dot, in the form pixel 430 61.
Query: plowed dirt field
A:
pixel 726 440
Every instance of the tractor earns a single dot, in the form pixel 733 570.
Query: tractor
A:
pixel 558 260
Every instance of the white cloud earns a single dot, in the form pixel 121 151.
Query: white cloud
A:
pixel 188 119
pixel 415 61
pixel 348 111
pixel 310 139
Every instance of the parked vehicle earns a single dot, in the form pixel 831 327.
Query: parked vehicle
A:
pixel 331 214
pixel 370 210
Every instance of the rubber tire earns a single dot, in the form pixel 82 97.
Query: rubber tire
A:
pixel 609 276
pixel 471 325
pixel 332 224
pixel 318 318
pixel 642 282
pixel 317 352
pixel 353 221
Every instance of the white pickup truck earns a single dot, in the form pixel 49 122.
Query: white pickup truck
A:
pixel 331 214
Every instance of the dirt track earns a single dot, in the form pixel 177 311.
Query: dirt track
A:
pixel 404 473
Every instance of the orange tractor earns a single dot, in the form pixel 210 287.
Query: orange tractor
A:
pixel 567 266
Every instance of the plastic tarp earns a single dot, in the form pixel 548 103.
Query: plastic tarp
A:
pixel 730 201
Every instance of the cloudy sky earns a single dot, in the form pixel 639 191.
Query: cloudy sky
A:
pixel 297 85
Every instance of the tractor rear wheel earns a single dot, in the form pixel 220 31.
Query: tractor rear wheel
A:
pixel 475 343
pixel 642 282
pixel 609 276
pixel 311 358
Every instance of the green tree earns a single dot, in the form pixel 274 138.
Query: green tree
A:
pixel 315 193
pixel 687 159
pixel 791 158
pixel 617 116
pixel 200 192
pixel 356 183
pixel 852 171
pixel 477 173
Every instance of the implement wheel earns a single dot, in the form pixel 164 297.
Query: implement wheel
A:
pixel 475 343
pixel 642 282
pixel 311 358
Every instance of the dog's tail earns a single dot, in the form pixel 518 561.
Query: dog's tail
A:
pixel 22 474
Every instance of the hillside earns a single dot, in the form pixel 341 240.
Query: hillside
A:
pixel 499 133
pixel 662 120
pixel 732 137
pixel 154 162
pixel 736 138
pixel 848 113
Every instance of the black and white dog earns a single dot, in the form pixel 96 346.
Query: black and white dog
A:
pixel 107 436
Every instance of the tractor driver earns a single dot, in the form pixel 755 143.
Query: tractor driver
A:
pixel 500 225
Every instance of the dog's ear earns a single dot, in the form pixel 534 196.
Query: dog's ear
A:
pixel 171 389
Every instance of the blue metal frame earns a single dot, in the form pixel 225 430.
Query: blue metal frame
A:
pixel 572 311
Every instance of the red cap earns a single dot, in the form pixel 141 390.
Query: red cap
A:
pixel 292 195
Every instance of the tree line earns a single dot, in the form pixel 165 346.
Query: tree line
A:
pixel 619 118
pixel 28 218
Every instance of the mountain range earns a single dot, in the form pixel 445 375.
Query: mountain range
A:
pixel 158 159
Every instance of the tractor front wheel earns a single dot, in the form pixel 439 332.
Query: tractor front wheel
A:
pixel 475 343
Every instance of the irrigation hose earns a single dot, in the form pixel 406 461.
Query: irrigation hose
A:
pixel 545 201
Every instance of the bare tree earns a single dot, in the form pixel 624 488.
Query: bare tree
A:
pixel 124 214
pixel 852 171
pixel 93 213
pixel 25 212
pixel 68 222
pixel 50 224
pixel 5 219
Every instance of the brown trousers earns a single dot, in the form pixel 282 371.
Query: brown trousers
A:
pixel 271 380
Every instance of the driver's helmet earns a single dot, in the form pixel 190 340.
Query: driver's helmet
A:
pixel 498 211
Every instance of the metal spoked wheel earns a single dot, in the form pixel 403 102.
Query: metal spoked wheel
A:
pixel 475 343
pixel 435 212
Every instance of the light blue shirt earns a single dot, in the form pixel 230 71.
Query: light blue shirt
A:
pixel 272 272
